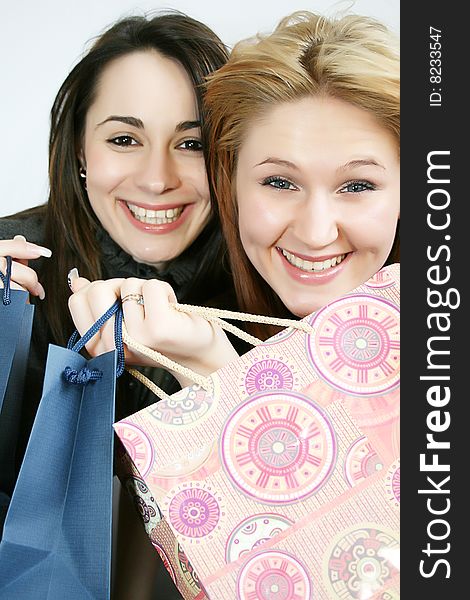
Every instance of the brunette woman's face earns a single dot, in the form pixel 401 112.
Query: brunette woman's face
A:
pixel 145 171
pixel 317 186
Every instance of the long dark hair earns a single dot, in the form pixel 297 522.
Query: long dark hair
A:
pixel 70 223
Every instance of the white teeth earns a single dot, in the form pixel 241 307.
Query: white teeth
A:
pixel 155 217
pixel 310 266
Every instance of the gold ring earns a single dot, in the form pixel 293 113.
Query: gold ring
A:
pixel 137 297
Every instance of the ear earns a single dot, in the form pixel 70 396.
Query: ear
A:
pixel 81 158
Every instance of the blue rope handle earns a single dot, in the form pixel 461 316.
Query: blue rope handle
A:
pixel 6 279
pixel 85 375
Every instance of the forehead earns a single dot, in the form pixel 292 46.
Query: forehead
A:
pixel 317 126
pixel 141 80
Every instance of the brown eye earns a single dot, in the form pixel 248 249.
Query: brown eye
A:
pixel 192 145
pixel 123 141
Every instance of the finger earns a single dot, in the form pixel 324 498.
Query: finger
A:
pixel 101 296
pixel 160 317
pixel 23 277
pixel 18 247
pixel 80 311
pixel 87 305
pixel 134 313
pixel 83 304
pixel 78 283
pixel 23 261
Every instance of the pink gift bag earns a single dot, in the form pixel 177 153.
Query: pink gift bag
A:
pixel 281 481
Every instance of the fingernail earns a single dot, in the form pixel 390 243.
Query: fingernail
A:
pixel 42 293
pixel 71 276
pixel 39 249
pixel 20 237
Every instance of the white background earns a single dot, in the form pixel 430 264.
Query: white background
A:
pixel 42 40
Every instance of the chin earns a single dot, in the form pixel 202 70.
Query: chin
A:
pixel 300 310
pixel 150 257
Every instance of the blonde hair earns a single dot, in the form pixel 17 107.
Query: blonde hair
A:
pixel 353 58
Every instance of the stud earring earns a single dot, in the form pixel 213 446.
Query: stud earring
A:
pixel 82 173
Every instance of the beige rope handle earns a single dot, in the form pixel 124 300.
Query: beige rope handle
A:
pixel 204 382
pixel 213 315
pixel 251 339
pixel 153 387
pixel 217 314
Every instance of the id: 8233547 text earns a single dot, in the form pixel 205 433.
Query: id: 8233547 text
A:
pixel 435 66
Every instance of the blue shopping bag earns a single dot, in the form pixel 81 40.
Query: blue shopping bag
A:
pixel 16 320
pixel 57 535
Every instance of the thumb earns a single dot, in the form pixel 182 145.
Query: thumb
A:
pixel 76 282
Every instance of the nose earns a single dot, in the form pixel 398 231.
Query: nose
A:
pixel 316 222
pixel 157 172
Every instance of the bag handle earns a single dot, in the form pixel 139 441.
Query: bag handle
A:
pixel 213 315
pixel 6 280
pixel 85 374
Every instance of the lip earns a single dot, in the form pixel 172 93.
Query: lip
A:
pixel 313 278
pixel 157 228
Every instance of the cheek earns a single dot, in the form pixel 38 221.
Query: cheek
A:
pixel 386 225
pixel 260 224
pixel 104 171
pixel 194 177
pixel 375 228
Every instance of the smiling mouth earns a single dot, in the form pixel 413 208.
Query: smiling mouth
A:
pixel 155 217
pixel 312 266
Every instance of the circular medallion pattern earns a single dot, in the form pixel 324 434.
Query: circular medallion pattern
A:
pixel 280 337
pixel 137 444
pixel 361 461
pixel 252 532
pixel 194 511
pixel 273 575
pixel 268 374
pixel 389 595
pixel 356 346
pixel 184 408
pixel 143 500
pixel 361 561
pixel 278 447
pixel 392 483
pixel 382 279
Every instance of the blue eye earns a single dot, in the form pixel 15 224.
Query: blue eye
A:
pixel 123 141
pixel 278 183
pixel 356 187
pixel 191 145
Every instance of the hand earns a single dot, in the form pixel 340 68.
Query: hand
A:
pixel 187 339
pixel 22 276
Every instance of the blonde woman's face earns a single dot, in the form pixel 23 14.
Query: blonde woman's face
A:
pixel 317 187
pixel 146 178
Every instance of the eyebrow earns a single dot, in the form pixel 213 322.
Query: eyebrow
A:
pixel 132 121
pixel 278 161
pixel 364 162
pixel 185 125
pixel 139 124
